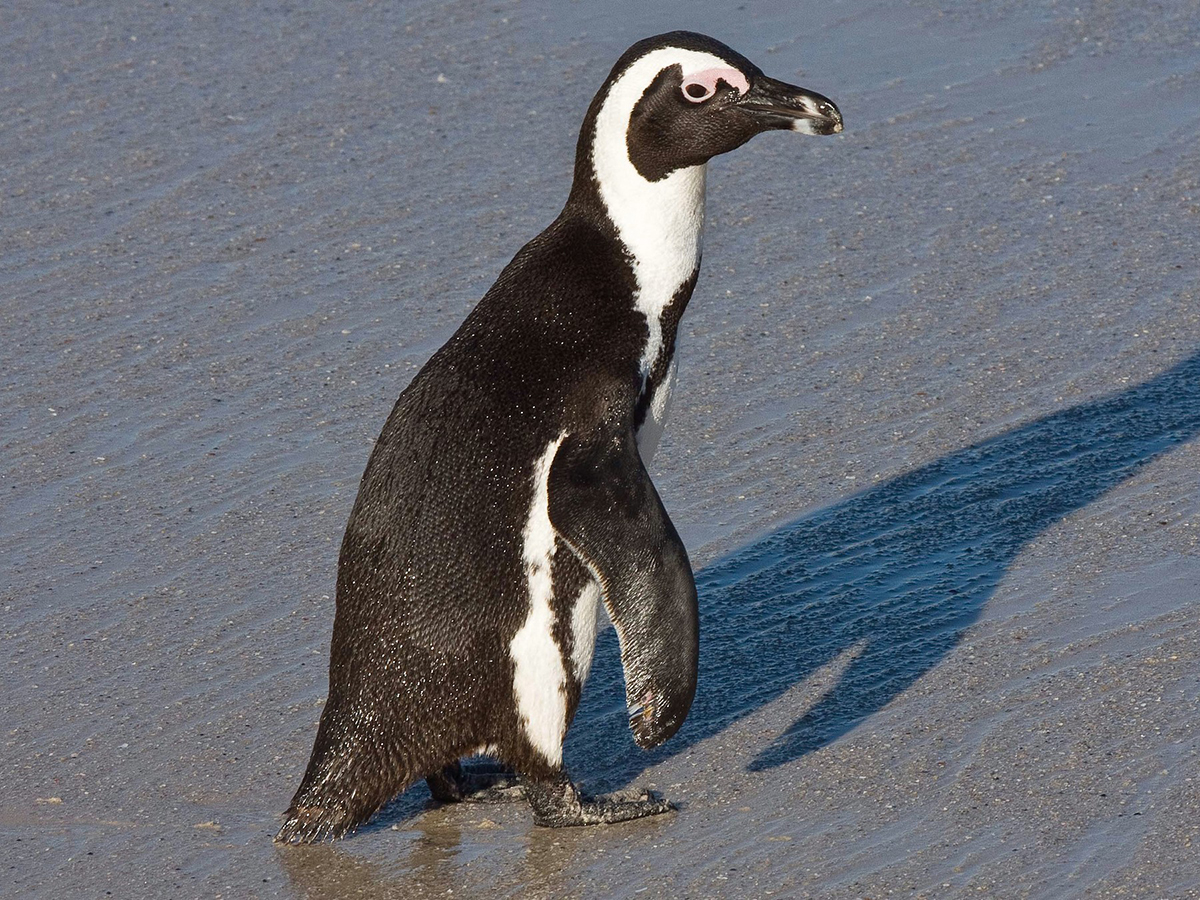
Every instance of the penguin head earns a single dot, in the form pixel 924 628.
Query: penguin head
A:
pixel 674 101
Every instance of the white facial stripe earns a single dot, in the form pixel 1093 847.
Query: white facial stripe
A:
pixel 539 679
pixel 660 222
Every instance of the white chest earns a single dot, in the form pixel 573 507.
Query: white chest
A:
pixel 662 226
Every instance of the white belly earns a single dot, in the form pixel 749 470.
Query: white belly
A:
pixel 652 428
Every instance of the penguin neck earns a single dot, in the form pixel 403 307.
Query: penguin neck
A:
pixel 661 227
pixel 661 223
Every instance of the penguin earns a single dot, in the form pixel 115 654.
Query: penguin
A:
pixel 506 509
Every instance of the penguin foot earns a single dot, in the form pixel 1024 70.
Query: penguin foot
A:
pixel 479 783
pixel 558 804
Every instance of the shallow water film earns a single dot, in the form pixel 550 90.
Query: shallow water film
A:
pixel 933 450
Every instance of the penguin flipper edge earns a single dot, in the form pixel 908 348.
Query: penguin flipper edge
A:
pixel 603 505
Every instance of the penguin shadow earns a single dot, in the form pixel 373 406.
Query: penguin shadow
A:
pixel 885 583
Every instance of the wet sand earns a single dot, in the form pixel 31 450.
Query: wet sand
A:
pixel 934 451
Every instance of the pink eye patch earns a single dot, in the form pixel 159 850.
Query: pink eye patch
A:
pixel 699 86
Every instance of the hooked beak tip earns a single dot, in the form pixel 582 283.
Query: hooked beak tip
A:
pixel 819 115
pixel 786 106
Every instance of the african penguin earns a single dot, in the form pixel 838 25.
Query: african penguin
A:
pixel 506 502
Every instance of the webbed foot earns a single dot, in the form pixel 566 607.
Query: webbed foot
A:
pixel 558 804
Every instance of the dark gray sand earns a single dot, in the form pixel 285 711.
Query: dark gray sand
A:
pixel 935 450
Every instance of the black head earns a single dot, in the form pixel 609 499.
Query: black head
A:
pixel 676 100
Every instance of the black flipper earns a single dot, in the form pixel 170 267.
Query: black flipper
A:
pixel 604 506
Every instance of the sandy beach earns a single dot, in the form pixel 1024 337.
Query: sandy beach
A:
pixel 933 453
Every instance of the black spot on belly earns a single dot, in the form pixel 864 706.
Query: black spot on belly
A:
pixel 658 369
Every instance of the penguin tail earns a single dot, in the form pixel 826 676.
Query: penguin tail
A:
pixel 347 781
pixel 313 824
pixel 327 808
pixel 331 808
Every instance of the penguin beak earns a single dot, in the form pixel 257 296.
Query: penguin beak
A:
pixel 778 105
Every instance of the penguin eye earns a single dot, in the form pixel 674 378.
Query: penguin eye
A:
pixel 698 91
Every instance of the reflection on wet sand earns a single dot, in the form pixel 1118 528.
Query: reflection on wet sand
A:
pixel 459 852
pixel 423 867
